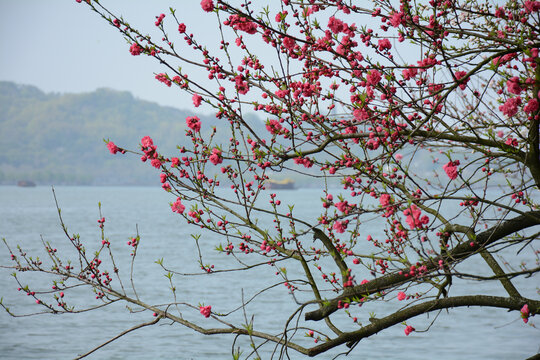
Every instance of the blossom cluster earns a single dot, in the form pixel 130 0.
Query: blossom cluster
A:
pixel 206 310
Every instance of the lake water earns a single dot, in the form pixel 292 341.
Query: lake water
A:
pixel 28 213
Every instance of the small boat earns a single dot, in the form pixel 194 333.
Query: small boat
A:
pixel 285 184
pixel 26 183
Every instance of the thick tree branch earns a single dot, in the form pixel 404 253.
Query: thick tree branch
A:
pixel 533 156
pixel 503 278
pixel 327 242
pixel 425 307
pixel 459 252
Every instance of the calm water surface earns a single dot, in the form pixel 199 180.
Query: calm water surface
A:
pixel 26 214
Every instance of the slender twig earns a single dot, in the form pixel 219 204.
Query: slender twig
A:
pixel 119 336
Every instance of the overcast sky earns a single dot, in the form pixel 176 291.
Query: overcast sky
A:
pixel 62 46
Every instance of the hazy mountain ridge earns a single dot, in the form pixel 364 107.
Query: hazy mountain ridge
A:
pixel 52 138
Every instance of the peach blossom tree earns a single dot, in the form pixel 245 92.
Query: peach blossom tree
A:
pixel 417 120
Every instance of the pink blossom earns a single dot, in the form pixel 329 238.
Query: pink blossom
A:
pixel 207 5
pixel 274 126
pixel 401 296
pixel 340 226
pixel 513 85
pixel 525 313
pixel 241 23
pixel 343 45
pixel 342 206
pixel 398 157
pixel 177 206
pixel 206 310
pixel 182 28
pixel 304 161
pixel 413 217
pixel 451 169
pixel 531 106
pixel 361 114
pixel 510 107
pixel 409 329
pixel 194 123
pixel 384 44
pixel 385 199
pixel 216 158
pixel 147 142
pixel 241 85
pixel 175 162
pixel 396 19
pixel 196 100
pixel 459 75
pixel 335 25
pixel 532 6
pixel 164 79
pixel 373 77
pixel 289 43
pixel 282 93
pixel 135 49
pixel 427 63
pixel 500 60
pixel 159 19
pixel 112 147
pixel 373 144
pixel 511 142
pixel 409 73
pixel 155 163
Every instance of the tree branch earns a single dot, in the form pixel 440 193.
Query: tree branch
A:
pixel 119 336
pixel 327 242
pixel 459 252
pixel 499 272
pixel 428 306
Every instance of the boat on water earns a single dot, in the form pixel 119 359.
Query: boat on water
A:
pixel 26 183
pixel 284 184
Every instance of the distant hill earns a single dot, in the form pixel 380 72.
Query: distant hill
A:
pixel 57 139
